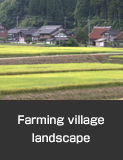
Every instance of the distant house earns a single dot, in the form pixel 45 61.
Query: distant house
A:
pixel 14 33
pixel 97 34
pixel 107 36
pixel 3 31
pixel 20 34
pixel 50 34
pixel 110 35
pixel 23 34
pixel 119 38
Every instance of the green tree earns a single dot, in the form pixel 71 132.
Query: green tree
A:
pixel 85 36
pixel 79 35
pixel 28 40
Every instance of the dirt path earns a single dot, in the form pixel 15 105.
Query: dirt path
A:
pixel 78 58
pixel 49 59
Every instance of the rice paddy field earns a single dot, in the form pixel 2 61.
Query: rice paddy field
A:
pixel 73 80
pixel 56 68
pixel 19 51
pixel 26 83
pixel 116 57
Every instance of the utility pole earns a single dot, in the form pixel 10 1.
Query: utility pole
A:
pixel 17 17
pixel 59 39
pixel 65 22
pixel 89 30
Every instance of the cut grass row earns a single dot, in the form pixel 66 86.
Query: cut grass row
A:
pixel 116 57
pixel 55 68
pixel 59 81
pixel 19 51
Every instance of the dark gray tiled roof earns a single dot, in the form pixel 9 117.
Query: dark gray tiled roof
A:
pixel 15 30
pixel 28 32
pixel 69 32
pixel 53 34
pixel 112 33
pixel 48 29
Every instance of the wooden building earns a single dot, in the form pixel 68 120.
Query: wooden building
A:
pixel 3 31
pixel 97 34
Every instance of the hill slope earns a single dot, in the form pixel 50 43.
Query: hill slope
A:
pixel 35 13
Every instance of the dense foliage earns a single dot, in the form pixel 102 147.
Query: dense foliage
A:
pixel 100 12
pixel 35 13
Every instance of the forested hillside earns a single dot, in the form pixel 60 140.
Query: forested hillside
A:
pixel 101 12
pixel 35 13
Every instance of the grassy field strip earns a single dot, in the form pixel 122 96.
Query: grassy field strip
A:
pixel 53 68
pixel 116 57
pixel 56 81
pixel 9 50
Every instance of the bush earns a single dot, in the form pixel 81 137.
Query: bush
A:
pixel 72 42
pixel 28 40
pixel 109 44
pixel 62 43
pixel 69 43
pixel 3 39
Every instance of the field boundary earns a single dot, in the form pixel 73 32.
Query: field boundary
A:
pixel 57 55
pixel 64 87
pixel 57 71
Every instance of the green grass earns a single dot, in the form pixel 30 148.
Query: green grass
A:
pixel 52 68
pixel 55 81
pixel 116 57
pixel 17 51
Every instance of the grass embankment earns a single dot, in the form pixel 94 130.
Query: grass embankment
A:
pixel 19 51
pixel 55 68
pixel 59 81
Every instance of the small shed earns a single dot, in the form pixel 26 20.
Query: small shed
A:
pixel 101 42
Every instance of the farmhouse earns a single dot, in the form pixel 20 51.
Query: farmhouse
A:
pixel 97 34
pixel 14 33
pixel 110 35
pixel 3 31
pixel 119 38
pixel 107 36
pixel 23 34
pixel 50 33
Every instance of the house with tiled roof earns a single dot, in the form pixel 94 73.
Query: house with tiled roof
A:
pixel 97 34
pixel 14 33
pixel 107 36
pixel 23 34
pixel 50 34
pixel 119 38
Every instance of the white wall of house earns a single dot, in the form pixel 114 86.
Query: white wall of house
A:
pixel 99 44
pixel 21 39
